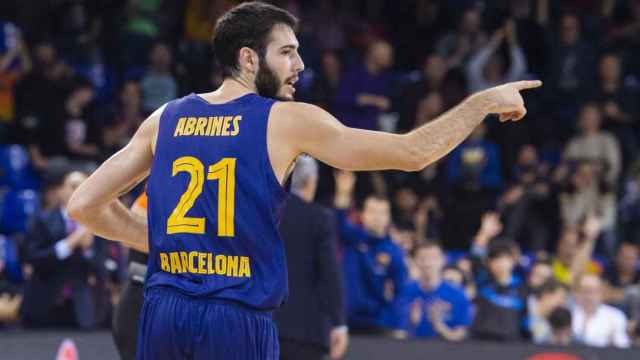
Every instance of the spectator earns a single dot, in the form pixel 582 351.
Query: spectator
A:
pixel 42 90
pixel 570 66
pixel 617 101
pixel 327 80
pixel 435 79
pixel 78 32
pixel 586 196
pixel 142 27
pixel 454 276
pixel 561 328
pixel 547 297
pixel 374 268
pixel 469 37
pixel 58 293
pixel 531 33
pixel 14 63
pixel 426 18
pixel 475 164
pixel 595 144
pixel 430 307
pixel 405 205
pixel 68 131
pixel 10 294
pixel 624 17
pixel 473 173
pixel 194 51
pixel 525 203
pixel 629 206
pixel 501 299
pixel 623 281
pixel 158 84
pixel 309 327
pixel 126 115
pixel 327 16
pixel 427 219
pixel 363 93
pixel 541 272
pixel 574 250
pixel 466 267
pixel 9 306
pixel 490 228
pixel 624 271
pixel 594 323
pixel 429 108
pixel 403 235
pixel 486 68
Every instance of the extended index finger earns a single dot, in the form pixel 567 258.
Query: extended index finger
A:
pixel 527 84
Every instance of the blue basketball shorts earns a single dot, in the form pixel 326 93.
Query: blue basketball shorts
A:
pixel 176 326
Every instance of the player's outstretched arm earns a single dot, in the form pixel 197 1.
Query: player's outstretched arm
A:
pixel 303 128
pixel 95 202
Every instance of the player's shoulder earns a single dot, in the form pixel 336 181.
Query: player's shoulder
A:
pixel 177 104
pixel 172 107
pixel 293 109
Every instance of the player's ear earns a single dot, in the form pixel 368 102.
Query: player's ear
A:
pixel 248 60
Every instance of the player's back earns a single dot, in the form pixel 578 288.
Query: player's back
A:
pixel 214 203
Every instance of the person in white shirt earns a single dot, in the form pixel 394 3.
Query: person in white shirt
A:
pixel 593 143
pixel 594 323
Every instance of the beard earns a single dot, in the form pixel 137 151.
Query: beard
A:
pixel 267 82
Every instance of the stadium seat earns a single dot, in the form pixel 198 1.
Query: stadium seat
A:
pixel 9 255
pixel 17 208
pixel 16 170
pixel 3 193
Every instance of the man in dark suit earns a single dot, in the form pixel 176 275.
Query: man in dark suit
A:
pixel 313 319
pixel 58 294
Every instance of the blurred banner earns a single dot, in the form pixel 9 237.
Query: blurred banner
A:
pixel 364 348
pixel 99 346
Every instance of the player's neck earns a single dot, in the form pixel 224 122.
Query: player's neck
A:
pixel 230 89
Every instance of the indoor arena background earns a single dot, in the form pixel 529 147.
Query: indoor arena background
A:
pixel 561 188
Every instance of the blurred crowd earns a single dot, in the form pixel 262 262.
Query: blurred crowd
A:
pixel 526 231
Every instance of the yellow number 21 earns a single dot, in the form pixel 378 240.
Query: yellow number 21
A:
pixel 225 172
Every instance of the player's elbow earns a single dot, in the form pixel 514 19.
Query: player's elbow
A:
pixel 413 160
pixel 414 163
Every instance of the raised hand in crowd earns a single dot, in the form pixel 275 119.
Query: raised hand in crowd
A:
pixel 490 227
pixel 345 183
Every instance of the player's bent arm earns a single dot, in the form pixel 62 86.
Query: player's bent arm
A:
pixel 305 128
pixel 95 202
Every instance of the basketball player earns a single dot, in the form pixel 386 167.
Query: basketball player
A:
pixel 216 162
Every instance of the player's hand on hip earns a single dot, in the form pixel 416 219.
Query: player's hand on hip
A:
pixel 506 100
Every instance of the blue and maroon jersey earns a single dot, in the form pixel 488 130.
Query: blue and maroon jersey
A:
pixel 214 203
